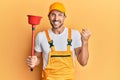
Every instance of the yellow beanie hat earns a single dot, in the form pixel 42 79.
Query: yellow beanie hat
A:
pixel 57 6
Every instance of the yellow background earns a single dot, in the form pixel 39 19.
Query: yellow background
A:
pixel 102 17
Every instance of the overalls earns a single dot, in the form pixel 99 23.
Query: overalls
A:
pixel 60 63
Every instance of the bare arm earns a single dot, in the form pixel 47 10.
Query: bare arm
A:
pixel 82 52
pixel 39 57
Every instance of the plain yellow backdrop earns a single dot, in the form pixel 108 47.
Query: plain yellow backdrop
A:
pixel 102 17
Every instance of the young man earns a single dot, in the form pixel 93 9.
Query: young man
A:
pixel 59 46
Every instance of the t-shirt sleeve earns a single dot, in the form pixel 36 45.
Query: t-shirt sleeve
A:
pixel 77 39
pixel 38 41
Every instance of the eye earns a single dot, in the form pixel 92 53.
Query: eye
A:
pixel 60 14
pixel 52 14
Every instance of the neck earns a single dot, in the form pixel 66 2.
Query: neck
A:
pixel 58 30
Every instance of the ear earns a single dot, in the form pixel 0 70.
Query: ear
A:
pixel 65 16
pixel 48 16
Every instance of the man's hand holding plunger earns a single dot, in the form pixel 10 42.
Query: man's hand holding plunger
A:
pixel 32 61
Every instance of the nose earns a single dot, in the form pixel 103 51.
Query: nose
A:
pixel 56 17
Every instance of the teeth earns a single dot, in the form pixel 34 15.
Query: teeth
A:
pixel 56 22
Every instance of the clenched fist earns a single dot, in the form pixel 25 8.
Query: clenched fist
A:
pixel 85 34
pixel 32 61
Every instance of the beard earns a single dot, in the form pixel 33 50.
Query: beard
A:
pixel 53 25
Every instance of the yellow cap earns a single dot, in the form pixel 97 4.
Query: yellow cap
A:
pixel 57 6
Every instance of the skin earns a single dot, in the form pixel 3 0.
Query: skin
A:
pixel 56 19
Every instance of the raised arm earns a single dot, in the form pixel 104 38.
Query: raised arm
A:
pixel 82 52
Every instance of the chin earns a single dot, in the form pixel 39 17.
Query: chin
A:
pixel 56 27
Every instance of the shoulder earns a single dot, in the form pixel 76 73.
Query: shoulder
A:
pixel 72 30
pixel 40 35
pixel 75 32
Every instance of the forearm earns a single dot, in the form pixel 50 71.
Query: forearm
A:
pixel 84 54
pixel 39 58
pixel 38 61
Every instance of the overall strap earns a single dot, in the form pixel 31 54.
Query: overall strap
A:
pixel 69 39
pixel 49 41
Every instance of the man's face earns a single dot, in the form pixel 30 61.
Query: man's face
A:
pixel 56 19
